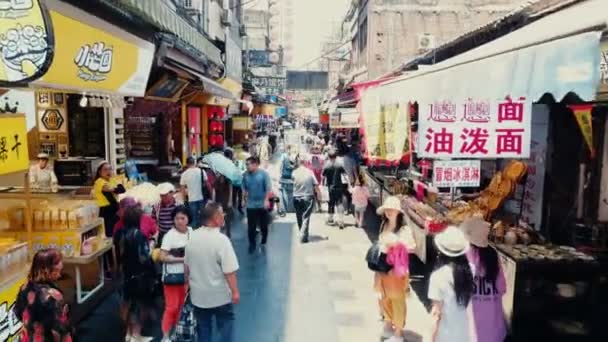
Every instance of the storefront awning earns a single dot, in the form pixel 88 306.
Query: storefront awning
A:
pixel 557 54
pixel 183 66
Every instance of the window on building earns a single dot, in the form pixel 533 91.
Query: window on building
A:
pixel 362 41
pixel 187 3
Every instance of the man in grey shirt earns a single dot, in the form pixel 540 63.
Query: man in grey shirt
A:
pixel 211 266
pixel 305 189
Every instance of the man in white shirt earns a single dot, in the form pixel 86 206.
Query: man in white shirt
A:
pixel 211 266
pixel 191 183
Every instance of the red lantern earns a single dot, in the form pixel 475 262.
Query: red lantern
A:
pixel 216 127
pixel 216 140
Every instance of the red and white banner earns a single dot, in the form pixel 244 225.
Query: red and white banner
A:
pixel 456 173
pixel 475 128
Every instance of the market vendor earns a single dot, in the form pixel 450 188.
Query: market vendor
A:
pixel 42 176
pixel 106 196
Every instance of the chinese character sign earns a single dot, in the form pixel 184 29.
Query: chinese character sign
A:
pixel 456 173
pixel 14 154
pixel 475 128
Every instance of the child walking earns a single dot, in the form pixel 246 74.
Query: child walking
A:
pixel 360 195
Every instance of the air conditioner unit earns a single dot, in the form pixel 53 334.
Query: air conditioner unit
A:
pixel 226 17
pixel 426 41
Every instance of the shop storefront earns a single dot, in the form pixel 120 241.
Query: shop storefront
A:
pixel 74 83
pixel 491 132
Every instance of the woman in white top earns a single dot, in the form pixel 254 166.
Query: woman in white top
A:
pixel 172 256
pixel 393 288
pixel 451 288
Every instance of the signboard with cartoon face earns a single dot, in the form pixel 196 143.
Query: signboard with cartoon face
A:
pixel 26 42
pixel 93 55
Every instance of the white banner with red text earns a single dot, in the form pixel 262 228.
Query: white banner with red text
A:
pixel 475 128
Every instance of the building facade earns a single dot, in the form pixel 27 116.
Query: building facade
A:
pixel 385 33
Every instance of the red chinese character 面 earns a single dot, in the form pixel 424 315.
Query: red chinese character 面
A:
pixel 439 174
pixel 439 142
pixel 511 111
pixel 474 174
pixel 476 111
pixel 474 141
pixel 509 140
pixel 466 174
pixel 442 111
pixel 448 176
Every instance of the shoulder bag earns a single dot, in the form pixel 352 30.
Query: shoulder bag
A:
pixel 174 278
pixel 376 259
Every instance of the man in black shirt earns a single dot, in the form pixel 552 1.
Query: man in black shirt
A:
pixel 336 180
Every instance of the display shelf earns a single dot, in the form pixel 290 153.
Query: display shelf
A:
pixel 87 259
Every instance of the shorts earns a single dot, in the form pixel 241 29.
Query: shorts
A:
pixel 361 209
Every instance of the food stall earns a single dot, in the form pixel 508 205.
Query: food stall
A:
pixel 31 220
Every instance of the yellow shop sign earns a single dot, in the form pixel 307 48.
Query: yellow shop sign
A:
pixel 92 55
pixel 14 154
pixel 26 42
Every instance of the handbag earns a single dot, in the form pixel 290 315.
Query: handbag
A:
pixel 185 328
pixel 376 259
pixel 174 278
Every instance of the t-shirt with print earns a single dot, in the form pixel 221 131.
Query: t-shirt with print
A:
pixel 304 182
pixel 175 243
pixel 454 323
pixel 335 174
pixel 209 257
pixel 257 185
pixel 193 180
pixel 487 321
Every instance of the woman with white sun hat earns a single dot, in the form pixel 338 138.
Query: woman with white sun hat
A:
pixel 451 288
pixel 393 286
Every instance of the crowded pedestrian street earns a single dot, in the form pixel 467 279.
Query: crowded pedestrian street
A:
pixel 303 170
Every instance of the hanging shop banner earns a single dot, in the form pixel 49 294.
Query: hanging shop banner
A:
pixel 344 118
pixel 386 129
pixel 241 123
pixel 582 114
pixel 14 155
pixel 10 326
pixel 532 204
pixel 475 128
pixel 92 55
pixel 456 173
pixel 26 41
pixel 270 85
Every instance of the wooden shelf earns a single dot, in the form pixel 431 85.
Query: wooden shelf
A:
pixel 87 259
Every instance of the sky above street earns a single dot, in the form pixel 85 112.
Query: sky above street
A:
pixel 313 22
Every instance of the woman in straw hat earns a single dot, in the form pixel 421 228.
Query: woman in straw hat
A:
pixel 451 288
pixel 391 286
pixel 489 283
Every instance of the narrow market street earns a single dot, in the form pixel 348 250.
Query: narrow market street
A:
pixel 290 292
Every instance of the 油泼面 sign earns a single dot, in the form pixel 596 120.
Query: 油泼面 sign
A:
pixel 456 173
pixel 475 128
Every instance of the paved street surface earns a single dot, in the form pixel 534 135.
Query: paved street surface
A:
pixel 321 291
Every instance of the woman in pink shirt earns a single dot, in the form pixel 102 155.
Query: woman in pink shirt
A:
pixel 487 323
pixel 360 194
